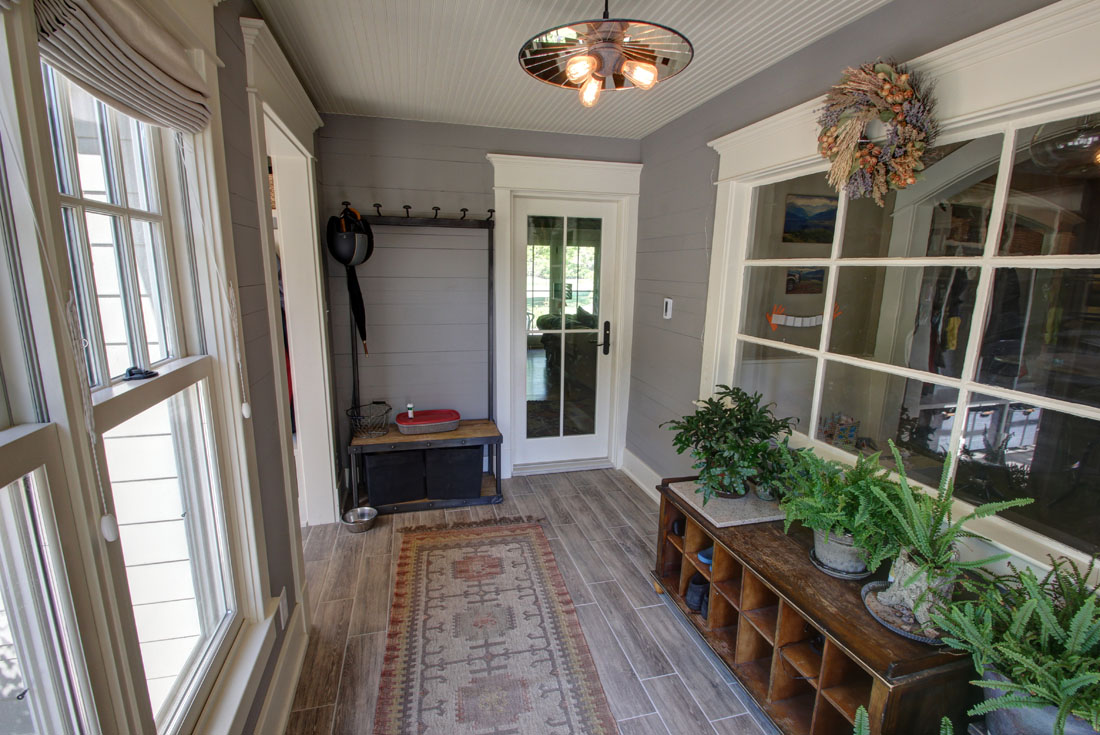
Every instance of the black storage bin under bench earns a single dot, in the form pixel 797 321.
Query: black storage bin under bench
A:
pixel 454 473
pixel 395 477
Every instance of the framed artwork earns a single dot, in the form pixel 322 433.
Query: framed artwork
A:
pixel 809 218
pixel 805 280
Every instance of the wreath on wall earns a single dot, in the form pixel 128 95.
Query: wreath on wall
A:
pixel 898 98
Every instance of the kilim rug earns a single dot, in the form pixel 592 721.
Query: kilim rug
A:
pixel 484 639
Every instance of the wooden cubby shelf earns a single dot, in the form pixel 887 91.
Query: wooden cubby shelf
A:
pixel 799 641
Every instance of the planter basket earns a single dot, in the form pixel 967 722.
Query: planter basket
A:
pixel 369 420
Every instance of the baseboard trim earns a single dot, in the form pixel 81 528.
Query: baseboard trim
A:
pixel 280 695
pixel 642 474
pixel 572 465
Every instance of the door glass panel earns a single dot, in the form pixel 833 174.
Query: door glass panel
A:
pixel 785 304
pixel 544 244
pixel 794 219
pixel 580 362
pixel 945 213
pixel 783 378
pixel 582 272
pixel 543 385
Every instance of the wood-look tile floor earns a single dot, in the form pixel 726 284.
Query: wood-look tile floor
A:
pixel 659 676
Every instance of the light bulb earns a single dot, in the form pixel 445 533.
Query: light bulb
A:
pixel 641 74
pixel 590 91
pixel 579 67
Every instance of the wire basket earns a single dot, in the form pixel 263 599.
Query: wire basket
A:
pixel 369 420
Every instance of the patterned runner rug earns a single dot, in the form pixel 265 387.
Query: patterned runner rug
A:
pixel 484 639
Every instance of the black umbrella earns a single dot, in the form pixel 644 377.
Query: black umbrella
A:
pixel 351 242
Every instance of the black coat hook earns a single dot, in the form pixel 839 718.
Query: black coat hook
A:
pixel 436 210
pixel 407 207
pixel 464 211
pixel 346 204
pixel 378 208
pixel 490 217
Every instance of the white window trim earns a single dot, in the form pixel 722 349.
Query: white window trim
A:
pixel 1036 68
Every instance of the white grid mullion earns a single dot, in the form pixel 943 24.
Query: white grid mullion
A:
pixel 171 310
pixel 1055 404
pixel 832 276
pixel 82 259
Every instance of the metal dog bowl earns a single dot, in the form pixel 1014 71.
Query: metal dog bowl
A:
pixel 358 520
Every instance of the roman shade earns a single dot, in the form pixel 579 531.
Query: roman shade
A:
pixel 119 53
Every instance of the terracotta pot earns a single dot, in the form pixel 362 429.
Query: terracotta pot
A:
pixel 1029 721
pixel 839 553
pixel 921 595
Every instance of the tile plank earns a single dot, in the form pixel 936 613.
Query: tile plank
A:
pixel 648 725
pixel 315 582
pixel 678 710
pixel 528 505
pixel 316 721
pixel 359 684
pixel 379 538
pixel 740 725
pixel 321 541
pixel 372 596
pixel 343 570
pixel 515 486
pixel 639 590
pixel 625 694
pixel 634 637
pixel 578 590
pixel 588 562
pixel 640 550
pixel 555 509
pixel 605 501
pixel 320 675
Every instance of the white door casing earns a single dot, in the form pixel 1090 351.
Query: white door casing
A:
pixel 517 177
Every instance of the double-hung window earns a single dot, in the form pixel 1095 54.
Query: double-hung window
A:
pixel 156 449
pixel 960 319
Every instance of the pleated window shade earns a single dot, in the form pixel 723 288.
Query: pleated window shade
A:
pixel 116 51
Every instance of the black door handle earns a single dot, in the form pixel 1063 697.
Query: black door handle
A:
pixel 606 344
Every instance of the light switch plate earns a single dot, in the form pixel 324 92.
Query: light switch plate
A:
pixel 666 313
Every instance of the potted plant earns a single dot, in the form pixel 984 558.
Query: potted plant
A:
pixel 853 531
pixel 1036 642
pixel 927 565
pixel 734 441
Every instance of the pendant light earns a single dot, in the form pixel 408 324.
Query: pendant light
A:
pixel 593 56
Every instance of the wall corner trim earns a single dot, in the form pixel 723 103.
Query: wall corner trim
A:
pixel 642 474
pixel 238 683
pixel 280 694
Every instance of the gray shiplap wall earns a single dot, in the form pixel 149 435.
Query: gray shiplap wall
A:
pixel 425 289
pixel 678 194
pixel 237 134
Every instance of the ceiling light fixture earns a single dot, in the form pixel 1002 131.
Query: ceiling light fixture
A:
pixel 604 54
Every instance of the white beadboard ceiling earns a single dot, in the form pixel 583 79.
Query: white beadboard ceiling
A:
pixel 455 61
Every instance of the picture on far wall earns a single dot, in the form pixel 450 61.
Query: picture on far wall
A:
pixel 809 218
pixel 805 280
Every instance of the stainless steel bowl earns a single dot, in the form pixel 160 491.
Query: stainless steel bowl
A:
pixel 358 520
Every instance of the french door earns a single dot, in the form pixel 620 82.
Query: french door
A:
pixel 561 396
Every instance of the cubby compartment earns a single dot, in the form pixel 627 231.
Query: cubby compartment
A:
pixel 759 605
pixel 670 549
pixel 753 660
pixel 800 644
pixel 827 721
pixel 791 696
pixel 843 683
pixel 726 577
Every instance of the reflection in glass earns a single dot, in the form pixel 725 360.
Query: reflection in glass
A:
pixel 580 363
pixel 147 255
pixel 796 295
pixel 90 129
pixel 103 239
pixel 1016 450
pixel 1043 333
pixel 543 385
pixel 544 253
pixel 861 409
pixel 910 317
pixel 945 213
pixel 1054 196
pixel 794 219
pixel 582 270
pixel 137 163
pixel 783 378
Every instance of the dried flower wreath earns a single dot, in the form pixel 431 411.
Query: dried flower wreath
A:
pixel 887 92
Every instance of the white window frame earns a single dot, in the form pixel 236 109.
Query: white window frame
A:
pixel 997 82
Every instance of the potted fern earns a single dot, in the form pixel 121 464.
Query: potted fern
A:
pixel 927 566
pixel 1036 642
pixel 735 441
pixel 853 532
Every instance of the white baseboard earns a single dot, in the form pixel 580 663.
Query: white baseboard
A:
pixel 280 695
pixel 642 474
pixel 572 465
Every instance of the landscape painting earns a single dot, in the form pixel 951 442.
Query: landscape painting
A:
pixel 809 218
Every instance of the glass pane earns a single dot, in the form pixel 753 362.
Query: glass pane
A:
pixel 582 272
pixel 945 213
pixel 1053 202
pixel 171 533
pixel 794 219
pixel 784 304
pixel 92 157
pixel 861 409
pixel 54 88
pixel 38 694
pixel 543 385
pixel 1043 333
pixel 911 317
pixel 581 363
pixel 783 378
pixel 544 278
pixel 84 283
pixel 103 240
pixel 1016 450
pixel 137 163
pixel 148 254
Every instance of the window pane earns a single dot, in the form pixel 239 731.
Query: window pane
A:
pixel 794 219
pixel 55 103
pixel 38 695
pixel 785 304
pixel 84 283
pixel 911 317
pixel 92 157
pixel 1054 196
pixel 149 256
pixel 861 409
pixel 171 531
pixel 103 241
pixel 1016 450
pixel 137 163
pixel 783 378
pixel 544 247
pixel 543 385
pixel 1043 333
pixel 945 213
pixel 582 270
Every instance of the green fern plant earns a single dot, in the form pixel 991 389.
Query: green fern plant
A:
pixel 863 724
pixel 1041 634
pixel 734 439
pixel 839 499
